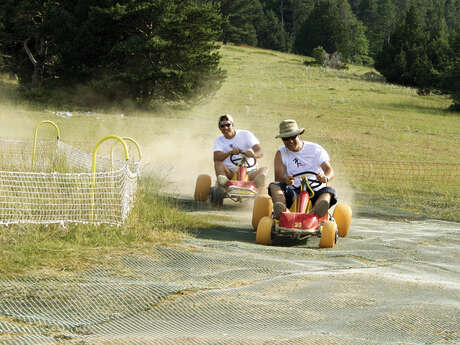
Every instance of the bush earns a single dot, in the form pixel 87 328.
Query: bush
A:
pixel 363 60
pixel 319 54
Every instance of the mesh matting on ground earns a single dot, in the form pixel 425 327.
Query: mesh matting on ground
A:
pixel 387 283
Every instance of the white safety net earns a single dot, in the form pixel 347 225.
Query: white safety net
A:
pixel 58 187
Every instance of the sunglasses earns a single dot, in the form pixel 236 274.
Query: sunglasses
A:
pixel 223 125
pixel 289 138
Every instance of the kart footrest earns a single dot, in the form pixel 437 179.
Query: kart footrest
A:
pixel 234 184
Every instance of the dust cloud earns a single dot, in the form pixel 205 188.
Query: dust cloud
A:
pixel 176 147
pixel 184 149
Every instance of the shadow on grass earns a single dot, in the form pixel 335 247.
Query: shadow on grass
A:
pixel 227 234
pixel 229 227
pixel 425 110
pixel 226 221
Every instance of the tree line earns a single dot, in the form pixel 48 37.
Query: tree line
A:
pixel 410 42
pixel 143 51
pixel 167 49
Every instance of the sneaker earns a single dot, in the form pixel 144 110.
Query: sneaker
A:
pixel 222 180
pixel 260 181
pixel 278 208
pixel 320 208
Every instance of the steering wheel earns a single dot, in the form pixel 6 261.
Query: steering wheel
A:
pixel 313 182
pixel 249 162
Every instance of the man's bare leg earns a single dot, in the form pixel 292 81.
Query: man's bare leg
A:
pixel 221 169
pixel 259 176
pixel 223 173
pixel 321 205
pixel 279 201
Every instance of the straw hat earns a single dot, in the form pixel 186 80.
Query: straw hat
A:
pixel 289 128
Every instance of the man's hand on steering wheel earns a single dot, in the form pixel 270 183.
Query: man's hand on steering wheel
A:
pixel 322 178
pixel 250 153
pixel 236 151
pixel 289 180
pixel 313 178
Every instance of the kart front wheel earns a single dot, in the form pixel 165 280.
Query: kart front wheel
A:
pixel 342 215
pixel 264 231
pixel 202 187
pixel 263 206
pixel 328 235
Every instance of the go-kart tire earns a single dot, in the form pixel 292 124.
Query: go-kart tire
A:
pixel 202 187
pixel 342 215
pixel 216 196
pixel 263 207
pixel 328 235
pixel 264 231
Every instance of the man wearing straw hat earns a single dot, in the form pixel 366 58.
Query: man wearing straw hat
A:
pixel 294 157
pixel 236 141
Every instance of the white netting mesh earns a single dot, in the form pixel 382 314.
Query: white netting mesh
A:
pixel 387 283
pixel 61 187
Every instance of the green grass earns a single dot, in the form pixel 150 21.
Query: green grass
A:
pixel 350 112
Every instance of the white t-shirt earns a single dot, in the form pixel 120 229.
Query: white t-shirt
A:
pixel 243 139
pixel 309 158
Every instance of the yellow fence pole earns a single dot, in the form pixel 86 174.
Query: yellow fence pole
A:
pixel 93 170
pixel 126 139
pixel 36 134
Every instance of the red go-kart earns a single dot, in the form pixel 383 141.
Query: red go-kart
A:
pixel 236 189
pixel 298 224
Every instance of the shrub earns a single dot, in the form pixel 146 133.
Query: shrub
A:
pixel 319 54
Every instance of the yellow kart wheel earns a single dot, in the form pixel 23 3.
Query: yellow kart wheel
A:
pixel 202 187
pixel 328 235
pixel 342 215
pixel 263 207
pixel 264 231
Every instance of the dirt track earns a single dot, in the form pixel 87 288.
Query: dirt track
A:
pixel 389 282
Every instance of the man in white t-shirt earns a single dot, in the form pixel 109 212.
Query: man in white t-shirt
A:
pixel 236 142
pixel 296 157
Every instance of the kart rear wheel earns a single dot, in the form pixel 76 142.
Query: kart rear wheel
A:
pixel 202 187
pixel 216 196
pixel 264 231
pixel 263 206
pixel 342 215
pixel 328 235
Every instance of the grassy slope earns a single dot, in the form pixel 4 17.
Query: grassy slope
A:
pixel 353 118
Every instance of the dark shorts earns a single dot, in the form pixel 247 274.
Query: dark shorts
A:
pixel 291 193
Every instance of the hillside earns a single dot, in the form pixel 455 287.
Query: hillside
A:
pixel 356 117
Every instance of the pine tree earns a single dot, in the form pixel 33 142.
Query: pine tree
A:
pixel 333 26
pixel 241 20
pixel 406 48
pixel 271 33
pixel 450 80
pixel 142 50
pixel 417 55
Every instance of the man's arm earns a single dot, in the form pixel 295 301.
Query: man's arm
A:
pixel 255 151
pixel 328 172
pixel 280 170
pixel 220 156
